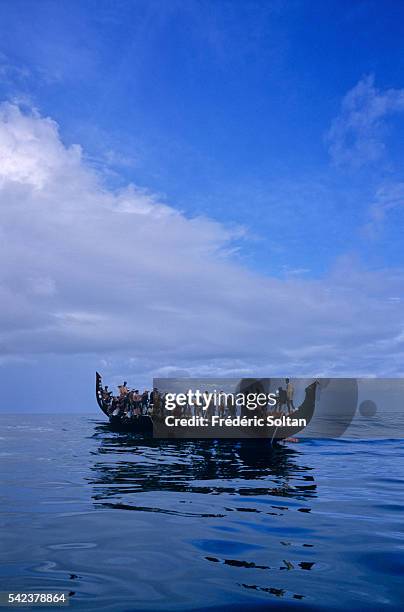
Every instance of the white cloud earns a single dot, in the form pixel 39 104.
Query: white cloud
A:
pixel 356 135
pixel 123 275
pixel 388 198
pixel 31 152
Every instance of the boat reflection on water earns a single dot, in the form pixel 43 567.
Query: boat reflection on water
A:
pixel 239 507
pixel 183 465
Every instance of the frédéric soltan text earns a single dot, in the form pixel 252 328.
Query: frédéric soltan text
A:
pixel 238 421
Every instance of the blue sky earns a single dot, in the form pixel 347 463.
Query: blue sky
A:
pixel 267 134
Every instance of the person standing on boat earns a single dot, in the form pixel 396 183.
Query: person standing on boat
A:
pixel 137 402
pixel 106 396
pixel 290 391
pixel 158 402
pixel 123 389
pixel 222 405
pixel 282 399
pixel 145 400
pixel 124 399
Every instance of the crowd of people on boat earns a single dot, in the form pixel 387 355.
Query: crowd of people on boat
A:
pixel 131 403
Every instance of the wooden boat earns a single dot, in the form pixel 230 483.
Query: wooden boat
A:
pixel 145 424
pixel 303 413
pixel 140 424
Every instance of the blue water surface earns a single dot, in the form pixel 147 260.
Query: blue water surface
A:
pixel 124 523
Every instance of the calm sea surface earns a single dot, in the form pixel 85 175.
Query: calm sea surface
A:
pixel 128 524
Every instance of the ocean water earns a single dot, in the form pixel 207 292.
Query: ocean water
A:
pixel 129 524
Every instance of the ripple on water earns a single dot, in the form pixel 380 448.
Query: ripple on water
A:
pixel 125 523
pixel 224 546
